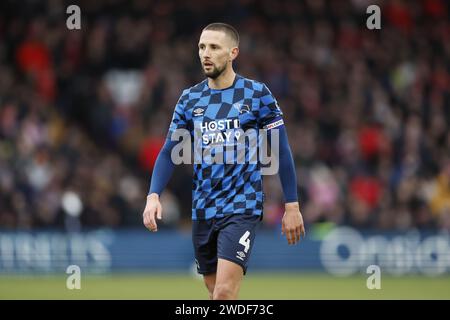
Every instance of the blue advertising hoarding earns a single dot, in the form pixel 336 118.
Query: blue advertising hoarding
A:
pixel 340 251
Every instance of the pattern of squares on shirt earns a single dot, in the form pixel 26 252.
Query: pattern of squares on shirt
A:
pixel 217 118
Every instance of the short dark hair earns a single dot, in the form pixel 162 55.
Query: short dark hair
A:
pixel 229 30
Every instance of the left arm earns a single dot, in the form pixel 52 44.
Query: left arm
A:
pixel 292 222
pixel 270 117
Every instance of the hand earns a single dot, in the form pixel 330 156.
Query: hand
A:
pixel 152 208
pixel 292 223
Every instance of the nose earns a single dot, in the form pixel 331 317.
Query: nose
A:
pixel 206 53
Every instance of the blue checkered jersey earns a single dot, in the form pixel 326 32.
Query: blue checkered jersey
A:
pixel 226 179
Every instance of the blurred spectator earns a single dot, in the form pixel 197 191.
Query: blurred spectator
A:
pixel 83 113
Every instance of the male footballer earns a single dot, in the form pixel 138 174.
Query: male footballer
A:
pixel 227 195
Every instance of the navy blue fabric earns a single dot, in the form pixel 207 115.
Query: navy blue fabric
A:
pixel 286 170
pixel 163 168
pixel 230 237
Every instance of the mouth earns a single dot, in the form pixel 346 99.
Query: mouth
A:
pixel 207 64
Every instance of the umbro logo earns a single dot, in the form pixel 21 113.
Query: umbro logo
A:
pixel 198 112
pixel 240 255
pixel 242 108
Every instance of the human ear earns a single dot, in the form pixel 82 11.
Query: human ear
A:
pixel 234 53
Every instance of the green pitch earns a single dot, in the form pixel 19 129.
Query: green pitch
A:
pixel 255 286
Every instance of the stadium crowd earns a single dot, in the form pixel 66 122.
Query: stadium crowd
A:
pixel 83 113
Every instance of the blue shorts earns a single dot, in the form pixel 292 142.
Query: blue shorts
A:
pixel 230 237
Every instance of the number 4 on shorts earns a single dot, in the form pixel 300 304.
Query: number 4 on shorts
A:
pixel 245 241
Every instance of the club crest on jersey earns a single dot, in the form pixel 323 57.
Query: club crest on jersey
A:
pixel 198 112
pixel 242 108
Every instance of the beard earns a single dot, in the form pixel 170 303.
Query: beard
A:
pixel 214 72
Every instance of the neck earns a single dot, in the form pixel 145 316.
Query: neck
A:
pixel 223 81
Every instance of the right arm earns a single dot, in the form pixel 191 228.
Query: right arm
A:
pixel 163 169
pixel 162 172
